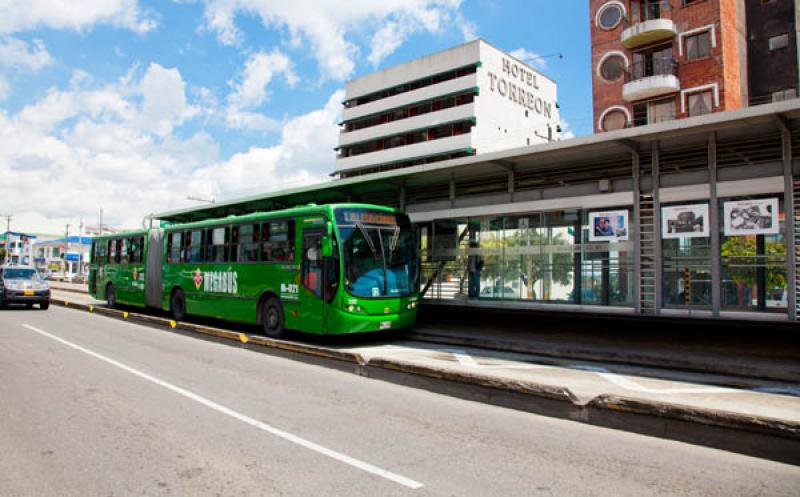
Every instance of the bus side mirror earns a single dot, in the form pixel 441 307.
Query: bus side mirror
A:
pixel 327 247
pixel 327 240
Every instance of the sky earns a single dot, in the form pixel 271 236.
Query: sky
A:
pixel 131 106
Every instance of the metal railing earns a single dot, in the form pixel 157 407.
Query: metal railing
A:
pixel 642 11
pixel 651 67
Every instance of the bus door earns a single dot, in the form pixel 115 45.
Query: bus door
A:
pixel 312 305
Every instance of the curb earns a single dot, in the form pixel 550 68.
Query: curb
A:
pixel 763 437
pixel 641 359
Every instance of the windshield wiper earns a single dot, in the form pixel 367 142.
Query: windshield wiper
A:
pixel 366 236
pixel 395 239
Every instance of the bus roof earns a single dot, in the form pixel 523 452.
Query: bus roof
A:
pixel 291 211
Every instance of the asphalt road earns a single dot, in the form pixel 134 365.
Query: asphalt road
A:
pixel 100 407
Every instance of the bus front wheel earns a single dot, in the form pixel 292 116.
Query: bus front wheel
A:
pixel 177 305
pixel 111 297
pixel 272 318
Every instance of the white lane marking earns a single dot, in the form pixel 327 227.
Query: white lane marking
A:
pixel 782 390
pixel 468 361
pixel 369 468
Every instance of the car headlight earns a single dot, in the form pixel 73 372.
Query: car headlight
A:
pixel 13 285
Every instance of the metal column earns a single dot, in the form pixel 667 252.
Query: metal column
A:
pixel 635 232
pixel 713 222
pixel 790 220
pixel 657 252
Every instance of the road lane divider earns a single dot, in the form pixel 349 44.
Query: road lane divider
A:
pixel 752 435
pixel 295 439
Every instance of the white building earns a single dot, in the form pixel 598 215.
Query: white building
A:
pixel 19 248
pixel 467 100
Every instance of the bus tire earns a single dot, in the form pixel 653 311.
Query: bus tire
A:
pixel 177 305
pixel 111 296
pixel 272 321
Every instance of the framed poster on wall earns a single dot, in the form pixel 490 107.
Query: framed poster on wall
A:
pixel 608 226
pixel 684 221
pixel 751 217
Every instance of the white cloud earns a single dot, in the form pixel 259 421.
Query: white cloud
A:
pixel 78 15
pixel 84 148
pixel 258 72
pixel 17 53
pixel 5 88
pixel 533 59
pixel 164 100
pixel 327 24
pixel 251 91
pixel 566 130
pixel 303 156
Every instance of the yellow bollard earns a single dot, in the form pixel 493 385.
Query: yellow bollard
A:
pixel 125 314
pixel 243 338
pixel 172 323
pixel 91 308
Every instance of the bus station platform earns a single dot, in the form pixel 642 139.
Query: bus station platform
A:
pixel 752 409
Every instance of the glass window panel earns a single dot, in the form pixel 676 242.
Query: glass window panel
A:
pixel 699 103
pixel 754 269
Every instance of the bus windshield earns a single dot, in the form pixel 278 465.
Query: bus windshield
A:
pixel 379 251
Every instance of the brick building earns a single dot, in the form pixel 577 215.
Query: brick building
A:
pixel 656 60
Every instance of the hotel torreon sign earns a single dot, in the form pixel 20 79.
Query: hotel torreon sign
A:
pixel 520 85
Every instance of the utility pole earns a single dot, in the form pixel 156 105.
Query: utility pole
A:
pixel 66 250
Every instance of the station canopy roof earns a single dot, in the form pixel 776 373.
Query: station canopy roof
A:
pixel 576 160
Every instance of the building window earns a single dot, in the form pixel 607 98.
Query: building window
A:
pixel 610 15
pixel 612 68
pixel 657 61
pixel 690 2
pixel 698 46
pixel 654 112
pixel 699 103
pixel 779 42
pixel 615 119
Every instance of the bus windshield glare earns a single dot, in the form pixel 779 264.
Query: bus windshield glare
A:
pixel 379 252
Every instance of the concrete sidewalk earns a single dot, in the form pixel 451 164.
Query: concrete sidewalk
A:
pixel 749 415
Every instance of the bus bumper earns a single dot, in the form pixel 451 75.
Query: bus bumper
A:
pixel 342 322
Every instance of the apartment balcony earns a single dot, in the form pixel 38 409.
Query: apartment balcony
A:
pixel 651 78
pixel 404 99
pixel 650 27
pixel 459 113
pixel 407 152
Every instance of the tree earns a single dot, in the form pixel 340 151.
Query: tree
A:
pixel 743 262
pixel 2 255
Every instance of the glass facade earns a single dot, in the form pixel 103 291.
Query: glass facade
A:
pixel 548 257
pixel 542 257
pixel 753 265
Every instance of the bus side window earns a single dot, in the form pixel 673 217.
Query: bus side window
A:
pixel 124 245
pixel 174 250
pixel 185 244
pixel 248 243
pixel 266 243
pixel 112 251
pixel 216 248
pixel 134 250
pixel 233 245
pixel 195 242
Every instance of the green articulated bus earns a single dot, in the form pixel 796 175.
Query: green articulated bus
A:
pixel 328 269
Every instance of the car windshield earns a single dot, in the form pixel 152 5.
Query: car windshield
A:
pixel 379 251
pixel 20 274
